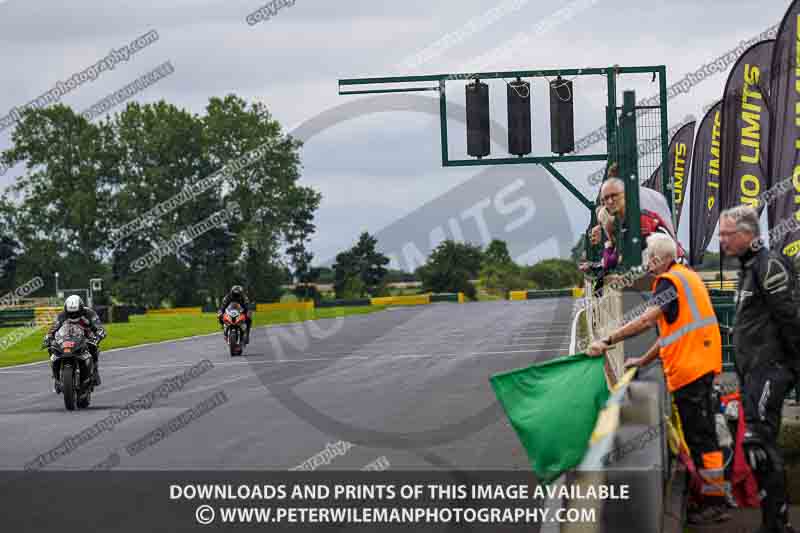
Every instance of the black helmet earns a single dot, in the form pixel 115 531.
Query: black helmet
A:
pixel 237 290
pixel 73 307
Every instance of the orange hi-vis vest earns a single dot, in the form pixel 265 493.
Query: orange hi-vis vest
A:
pixel 690 347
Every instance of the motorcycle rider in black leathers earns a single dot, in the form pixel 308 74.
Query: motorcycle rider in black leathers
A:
pixel 237 295
pixel 76 312
pixel 766 334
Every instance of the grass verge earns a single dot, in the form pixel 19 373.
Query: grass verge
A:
pixel 143 329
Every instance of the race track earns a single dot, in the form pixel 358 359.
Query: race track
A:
pixel 409 385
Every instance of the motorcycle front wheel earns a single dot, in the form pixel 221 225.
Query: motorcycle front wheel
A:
pixel 233 342
pixel 68 386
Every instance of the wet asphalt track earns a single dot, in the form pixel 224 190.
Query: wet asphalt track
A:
pixel 408 384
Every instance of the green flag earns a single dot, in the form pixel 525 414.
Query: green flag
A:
pixel 553 407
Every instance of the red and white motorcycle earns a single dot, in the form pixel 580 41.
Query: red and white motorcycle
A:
pixel 234 322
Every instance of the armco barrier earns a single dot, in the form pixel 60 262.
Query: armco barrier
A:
pixel 445 297
pixel 728 285
pixel 420 299
pixel 176 311
pixel 576 292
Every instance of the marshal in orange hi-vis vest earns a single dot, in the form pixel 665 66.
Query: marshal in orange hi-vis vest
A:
pixel 690 347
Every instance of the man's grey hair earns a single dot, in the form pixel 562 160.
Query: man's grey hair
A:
pixel 746 218
pixel 662 246
pixel 615 181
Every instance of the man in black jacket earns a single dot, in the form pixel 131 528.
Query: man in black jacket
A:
pixel 767 338
pixel 76 312
pixel 237 295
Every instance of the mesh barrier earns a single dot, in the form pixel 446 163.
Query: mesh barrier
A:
pixel 648 139
pixel 603 314
pixel 648 136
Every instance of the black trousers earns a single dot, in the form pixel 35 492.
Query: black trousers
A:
pixel 763 391
pixel 696 409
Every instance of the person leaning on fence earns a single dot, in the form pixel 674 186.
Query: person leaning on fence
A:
pixel 609 258
pixel 690 347
pixel 654 216
pixel 766 335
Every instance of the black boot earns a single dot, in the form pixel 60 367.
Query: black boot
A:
pixel 775 516
pixel 56 381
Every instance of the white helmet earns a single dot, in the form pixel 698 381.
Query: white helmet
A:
pixel 73 307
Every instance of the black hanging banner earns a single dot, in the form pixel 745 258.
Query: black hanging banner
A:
pixel 680 153
pixel 784 197
pixel 745 129
pixel 704 204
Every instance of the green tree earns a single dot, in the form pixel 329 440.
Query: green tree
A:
pixel 499 274
pixel 9 249
pixel 499 278
pixel 346 269
pixel 277 212
pixel 554 274
pixel 85 180
pixel 326 275
pixel 62 196
pixel 450 268
pixel 364 262
pixel 353 288
pixel 497 253
pixel 400 276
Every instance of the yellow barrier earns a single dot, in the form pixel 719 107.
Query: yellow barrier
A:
pixel 420 299
pixel 461 297
pixel 286 306
pixel 518 295
pixel 577 292
pixel 45 316
pixel 728 284
pixel 175 311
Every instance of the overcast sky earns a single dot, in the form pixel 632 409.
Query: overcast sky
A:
pixel 375 169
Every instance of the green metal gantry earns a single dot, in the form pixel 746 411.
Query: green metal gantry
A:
pixel 621 138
